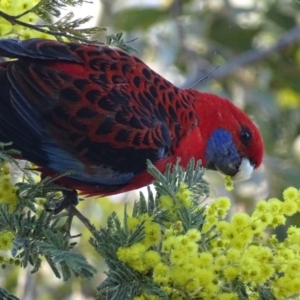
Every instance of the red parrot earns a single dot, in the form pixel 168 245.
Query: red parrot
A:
pixel 101 113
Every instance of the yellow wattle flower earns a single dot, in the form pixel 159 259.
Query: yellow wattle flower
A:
pixel 199 262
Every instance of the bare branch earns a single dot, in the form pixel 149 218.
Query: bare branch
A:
pixel 249 57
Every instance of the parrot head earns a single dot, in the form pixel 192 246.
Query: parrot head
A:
pixel 234 145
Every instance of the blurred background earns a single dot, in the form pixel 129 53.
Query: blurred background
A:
pixel 255 45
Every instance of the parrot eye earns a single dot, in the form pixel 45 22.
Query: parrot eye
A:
pixel 245 136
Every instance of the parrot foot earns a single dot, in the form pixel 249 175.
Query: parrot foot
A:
pixel 70 197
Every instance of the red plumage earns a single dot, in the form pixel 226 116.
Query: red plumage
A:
pixel 101 113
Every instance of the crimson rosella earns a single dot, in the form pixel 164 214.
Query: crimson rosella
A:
pixel 101 113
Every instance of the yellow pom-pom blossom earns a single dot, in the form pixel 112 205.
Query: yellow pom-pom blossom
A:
pixel 15 8
pixel 204 262
pixel 228 183
pixel 7 188
pixel 6 240
pixel 183 197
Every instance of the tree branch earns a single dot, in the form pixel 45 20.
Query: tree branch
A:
pixel 53 30
pixel 73 211
pixel 249 57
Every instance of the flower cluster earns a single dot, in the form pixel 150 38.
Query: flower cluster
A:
pixel 139 256
pixel 11 261
pixel 221 257
pixel 7 196
pixel 16 8
pixel 228 183
pixel 182 197
pixel 6 240
pixel 7 188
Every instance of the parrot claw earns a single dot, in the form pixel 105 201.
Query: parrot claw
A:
pixel 70 197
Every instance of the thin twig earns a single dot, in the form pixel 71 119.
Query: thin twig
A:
pixel 14 21
pixel 204 78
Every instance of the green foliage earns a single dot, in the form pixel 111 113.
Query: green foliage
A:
pixel 264 292
pixel 5 295
pixel 169 183
pixel 56 249
pixel 37 232
pixel 54 7
pixel 6 153
pixel 42 236
pixel 122 281
pixel 117 40
pixel 66 27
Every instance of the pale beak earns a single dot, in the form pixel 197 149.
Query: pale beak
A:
pixel 245 170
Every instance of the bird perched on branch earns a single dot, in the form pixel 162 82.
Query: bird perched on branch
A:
pixel 101 113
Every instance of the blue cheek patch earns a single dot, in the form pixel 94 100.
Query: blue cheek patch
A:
pixel 221 150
